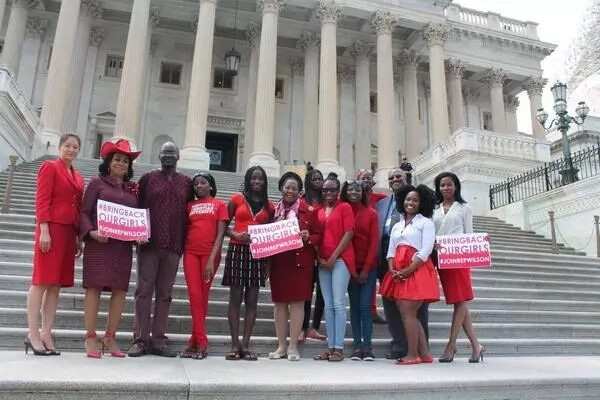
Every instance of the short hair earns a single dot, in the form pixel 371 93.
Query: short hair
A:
pixel 67 136
pixel 209 178
pixel 290 175
pixel 264 194
pixel 426 199
pixel 364 199
pixel 437 183
pixel 104 167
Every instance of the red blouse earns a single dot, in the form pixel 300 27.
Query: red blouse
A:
pixel 374 197
pixel 366 237
pixel 339 221
pixel 243 216
pixel 204 216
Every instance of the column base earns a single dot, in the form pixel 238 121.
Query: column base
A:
pixel 267 161
pixel 195 158
pixel 332 166
pixel 46 143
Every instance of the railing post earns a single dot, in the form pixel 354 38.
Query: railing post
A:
pixel 508 191
pixel 553 232
pixel 547 177
pixel 597 226
pixel 9 184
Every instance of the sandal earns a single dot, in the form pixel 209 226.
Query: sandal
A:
pixel 201 355
pixel 409 361
pixel 249 355
pixel 233 355
pixel 336 356
pixel 324 356
pixel 277 355
pixel 189 352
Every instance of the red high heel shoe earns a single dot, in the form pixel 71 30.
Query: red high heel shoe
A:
pixel 92 353
pixel 111 336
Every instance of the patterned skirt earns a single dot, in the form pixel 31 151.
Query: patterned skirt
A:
pixel 241 269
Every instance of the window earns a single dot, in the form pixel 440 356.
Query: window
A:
pixel 487 120
pixel 170 73
pixel 114 66
pixel 222 79
pixel 279 88
pixel 373 102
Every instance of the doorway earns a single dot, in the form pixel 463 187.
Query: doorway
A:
pixel 222 149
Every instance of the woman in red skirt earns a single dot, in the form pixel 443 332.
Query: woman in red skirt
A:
pixel 57 203
pixel 207 218
pixel 411 279
pixel 292 271
pixel 453 217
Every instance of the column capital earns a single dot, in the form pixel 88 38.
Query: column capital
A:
pixel 494 77
pixel 91 8
pixel 455 67
pixel 154 16
pixel 96 36
pixel 511 103
pixel 360 49
pixel 382 22
pixel 436 34
pixel 346 72
pixel 408 58
pixel 36 27
pixel 328 12
pixel 308 40
pixel 535 85
pixel 297 64
pixel 270 6
pixel 253 34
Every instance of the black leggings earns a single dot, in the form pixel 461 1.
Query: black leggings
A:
pixel 319 306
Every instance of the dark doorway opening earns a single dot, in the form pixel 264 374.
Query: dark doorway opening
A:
pixel 222 148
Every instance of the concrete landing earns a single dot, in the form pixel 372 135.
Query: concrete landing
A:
pixel 72 376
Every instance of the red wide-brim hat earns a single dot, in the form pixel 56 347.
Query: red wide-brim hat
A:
pixel 120 146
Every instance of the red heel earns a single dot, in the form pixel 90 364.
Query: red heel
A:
pixel 92 353
pixel 108 335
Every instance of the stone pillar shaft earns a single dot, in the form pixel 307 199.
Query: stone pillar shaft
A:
pixel 347 123
pixel 362 140
pixel 495 78
pixel 436 35
pixel 534 87
pixel 310 43
pixel 252 34
pixel 455 69
pixel 415 139
pixel 2 11
pixel 30 56
pixel 15 35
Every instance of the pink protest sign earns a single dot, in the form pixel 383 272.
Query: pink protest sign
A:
pixel 121 222
pixel 464 251
pixel 275 238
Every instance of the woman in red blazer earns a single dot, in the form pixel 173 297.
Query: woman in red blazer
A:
pixel 57 207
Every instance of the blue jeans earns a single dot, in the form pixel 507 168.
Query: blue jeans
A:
pixel 334 284
pixel 360 311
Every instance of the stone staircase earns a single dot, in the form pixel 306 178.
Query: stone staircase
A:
pixel 532 302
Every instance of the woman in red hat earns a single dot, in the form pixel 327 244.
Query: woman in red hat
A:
pixel 107 262
pixel 57 203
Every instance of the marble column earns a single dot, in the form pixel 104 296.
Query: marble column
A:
pixel 295 145
pixel 15 34
pixel 455 70
pixel 89 77
pixel 2 11
pixel 436 36
pixel 131 89
pixel 328 13
pixel 30 57
pixel 253 36
pixel 194 154
pixel 511 103
pixel 494 78
pixel 309 42
pixel 56 93
pixel 399 124
pixel 90 9
pixel 534 87
pixel 415 138
pixel 264 120
pixel 346 77
pixel 361 52
pixel 382 23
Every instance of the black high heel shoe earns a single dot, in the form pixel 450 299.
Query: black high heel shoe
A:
pixel 479 357
pixel 36 352
pixel 52 352
pixel 448 359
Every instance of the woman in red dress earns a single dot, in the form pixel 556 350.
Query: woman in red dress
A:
pixel 207 217
pixel 292 272
pixel 57 204
pixel 411 279
pixel 454 217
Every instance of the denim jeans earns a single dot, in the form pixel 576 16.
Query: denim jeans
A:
pixel 334 284
pixel 360 311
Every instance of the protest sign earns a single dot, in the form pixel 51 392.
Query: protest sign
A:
pixel 470 250
pixel 274 238
pixel 121 222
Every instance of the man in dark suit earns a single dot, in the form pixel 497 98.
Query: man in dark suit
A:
pixel 388 217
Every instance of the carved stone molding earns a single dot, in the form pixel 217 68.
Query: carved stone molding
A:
pixel 494 77
pixel 270 6
pixel 297 64
pixel 225 123
pixel 511 103
pixel 328 12
pixel 436 34
pixel 96 36
pixel 91 8
pixel 408 58
pixel 36 27
pixel 455 67
pixel 360 49
pixel 253 34
pixel 535 85
pixel 382 22
pixel 154 16
pixel 346 72
pixel 308 40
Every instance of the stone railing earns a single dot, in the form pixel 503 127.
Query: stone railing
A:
pixel 8 87
pixel 490 20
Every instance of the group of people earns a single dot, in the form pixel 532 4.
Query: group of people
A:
pixel 351 238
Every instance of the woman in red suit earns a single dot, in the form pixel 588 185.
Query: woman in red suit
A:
pixel 292 271
pixel 57 205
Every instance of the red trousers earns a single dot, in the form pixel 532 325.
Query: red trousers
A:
pixel 198 292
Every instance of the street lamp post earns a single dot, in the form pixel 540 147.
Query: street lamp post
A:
pixel 563 121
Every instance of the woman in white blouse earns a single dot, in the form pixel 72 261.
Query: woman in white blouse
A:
pixel 452 217
pixel 411 279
